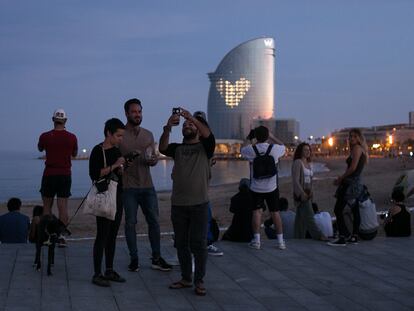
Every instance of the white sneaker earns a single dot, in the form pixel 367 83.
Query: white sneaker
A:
pixel 254 244
pixel 282 245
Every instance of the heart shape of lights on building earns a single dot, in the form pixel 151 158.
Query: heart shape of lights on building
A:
pixel 233 93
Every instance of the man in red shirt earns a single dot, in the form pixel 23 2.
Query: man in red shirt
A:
pixel 60 146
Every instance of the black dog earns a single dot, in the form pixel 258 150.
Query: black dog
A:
pixel 48 231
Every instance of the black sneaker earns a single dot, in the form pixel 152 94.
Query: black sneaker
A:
pixel 338 242
pixel 352 240
pixel 160 264
pixel 133 266
pixel 214 250
pixel 100 281
pixel 111 275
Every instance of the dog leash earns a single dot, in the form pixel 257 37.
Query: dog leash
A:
pixel 80 205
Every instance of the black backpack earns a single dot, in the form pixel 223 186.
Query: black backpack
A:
pixel 264 165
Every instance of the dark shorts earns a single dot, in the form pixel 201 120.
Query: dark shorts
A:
pixel 58 185
pixel 271 199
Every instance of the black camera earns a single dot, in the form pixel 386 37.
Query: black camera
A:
pixel 384 215
pixel 129 157
pixel 176 110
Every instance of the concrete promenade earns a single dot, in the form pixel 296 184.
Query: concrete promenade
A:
pixel 309 275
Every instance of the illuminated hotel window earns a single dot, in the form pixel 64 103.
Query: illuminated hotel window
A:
pixel 233 93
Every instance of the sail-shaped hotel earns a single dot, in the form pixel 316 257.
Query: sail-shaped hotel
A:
pixel 242 89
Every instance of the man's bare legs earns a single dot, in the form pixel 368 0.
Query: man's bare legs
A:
pixel 62 204
pixel 256 223
pixel 279 229
pixel 47 205
pixel 277 221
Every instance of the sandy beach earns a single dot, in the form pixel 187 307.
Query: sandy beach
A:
pixel 380 176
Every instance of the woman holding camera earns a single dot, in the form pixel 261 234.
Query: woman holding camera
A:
pixel 350 188
pixel 302 194
pixel 105 163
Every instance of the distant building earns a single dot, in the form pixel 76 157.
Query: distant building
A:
pixel 391 138
pixel 284 129
pixel 228 148
pixel 287 130
pixel 242 89
pixel 411 118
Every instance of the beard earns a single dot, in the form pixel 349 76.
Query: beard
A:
pixel 188 134
pixel 134 122
pixel 58 121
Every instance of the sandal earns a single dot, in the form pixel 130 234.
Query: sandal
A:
pixel 200 290
pixel 181 284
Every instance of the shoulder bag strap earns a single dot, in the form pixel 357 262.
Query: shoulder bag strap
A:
pixel 104 157
pixel 269 149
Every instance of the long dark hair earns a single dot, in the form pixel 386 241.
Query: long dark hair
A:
pixel 361 141
pixel 299 151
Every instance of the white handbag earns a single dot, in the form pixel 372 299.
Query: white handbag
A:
pixel 102 204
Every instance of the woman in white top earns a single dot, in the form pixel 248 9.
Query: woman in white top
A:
pixel 302 194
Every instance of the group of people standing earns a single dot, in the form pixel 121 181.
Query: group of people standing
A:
pixel 126 155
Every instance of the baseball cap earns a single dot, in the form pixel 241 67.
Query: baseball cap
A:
pixel 59 114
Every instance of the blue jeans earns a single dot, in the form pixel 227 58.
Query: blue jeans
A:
pixel 147 199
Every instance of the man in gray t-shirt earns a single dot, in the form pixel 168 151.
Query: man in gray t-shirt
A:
pixel 189 199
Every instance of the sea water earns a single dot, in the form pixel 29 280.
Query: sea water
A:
pixel 21 174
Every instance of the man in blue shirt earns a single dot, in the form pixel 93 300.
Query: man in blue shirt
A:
pixel 14 226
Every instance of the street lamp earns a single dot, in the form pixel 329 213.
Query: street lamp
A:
pixel 330 144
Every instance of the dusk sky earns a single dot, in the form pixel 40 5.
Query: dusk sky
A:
pixel 338 63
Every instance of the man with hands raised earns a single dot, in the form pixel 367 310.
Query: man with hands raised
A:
pixel 189 199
